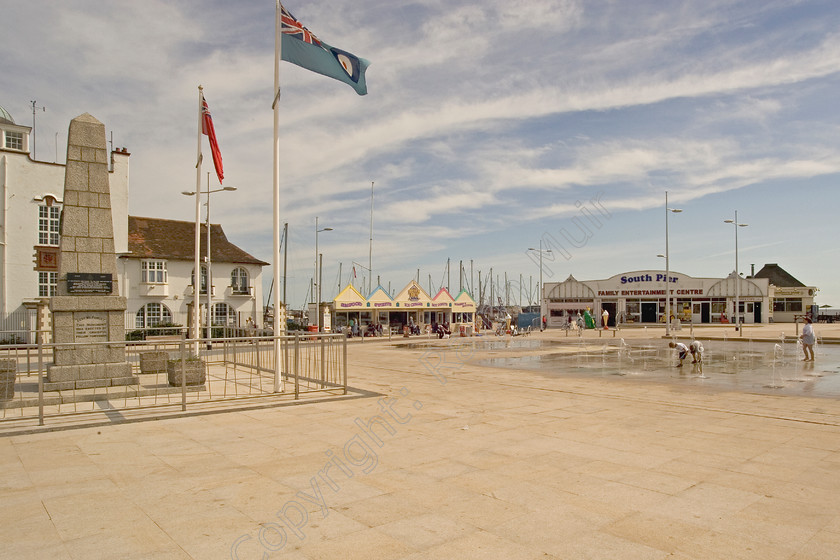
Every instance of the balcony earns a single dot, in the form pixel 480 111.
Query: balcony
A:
pixel 246 291
pixel 191 291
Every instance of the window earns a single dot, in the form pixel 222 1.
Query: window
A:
pixel 788 304
pixel 47 284
pixel 239 281
pixel 223 315
pixel 203 288
pixel 153 272
pixel 14 140
pixel 151 315
pixel 49 216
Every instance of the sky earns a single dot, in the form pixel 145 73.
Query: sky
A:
pixel 488 127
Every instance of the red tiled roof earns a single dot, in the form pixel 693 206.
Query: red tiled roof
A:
pixel 155 238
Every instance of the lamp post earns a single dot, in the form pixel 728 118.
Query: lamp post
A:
pixel 197 273
pixel 737 274
pixel 542 291
pixel 315 278
pixel 668 268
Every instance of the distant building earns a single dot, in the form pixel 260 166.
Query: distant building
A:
pixel 411 306
pixel 789 297
pixel 771 295
pixel 157 275
pixel 639 297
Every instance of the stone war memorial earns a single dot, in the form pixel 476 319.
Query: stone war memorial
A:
pixel 87 308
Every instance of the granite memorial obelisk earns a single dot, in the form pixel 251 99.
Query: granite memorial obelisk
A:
pixel 87 308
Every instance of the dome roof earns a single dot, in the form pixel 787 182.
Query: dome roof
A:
pixel 5 116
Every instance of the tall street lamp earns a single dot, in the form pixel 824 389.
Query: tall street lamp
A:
pixel 737 274
pixel 315 278
pixel 197 273
pixel 542 291
pixel 668 268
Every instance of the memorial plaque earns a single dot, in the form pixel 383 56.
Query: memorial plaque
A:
pixel 89 283
pixel 91 327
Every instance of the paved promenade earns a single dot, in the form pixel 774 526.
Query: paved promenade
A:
pixel 450 461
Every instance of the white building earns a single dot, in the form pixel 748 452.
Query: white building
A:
pixel 32 195
pixel 639 297
pixel 790 298
pixel 156 275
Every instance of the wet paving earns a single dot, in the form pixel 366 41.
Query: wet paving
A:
pixel 735 365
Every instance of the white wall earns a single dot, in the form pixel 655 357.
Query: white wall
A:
pixel 177 294
pixel 22 181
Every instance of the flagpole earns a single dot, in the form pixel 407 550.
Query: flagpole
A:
pixel 278 378
pixel 197 264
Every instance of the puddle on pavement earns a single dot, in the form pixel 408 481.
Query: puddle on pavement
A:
pixel 743 365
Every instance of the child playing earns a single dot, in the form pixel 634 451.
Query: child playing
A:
pixel 683 349
pixel 696 350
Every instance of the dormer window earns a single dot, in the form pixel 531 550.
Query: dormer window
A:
pixel 14 140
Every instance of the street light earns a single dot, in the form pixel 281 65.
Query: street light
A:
pixel 316 279
pixel 542 291
pixel 737 274
pixel 197 273
pixel 668 268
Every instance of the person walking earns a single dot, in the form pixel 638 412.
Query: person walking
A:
pixel 808 339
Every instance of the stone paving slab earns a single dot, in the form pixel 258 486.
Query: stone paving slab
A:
pixel 463 462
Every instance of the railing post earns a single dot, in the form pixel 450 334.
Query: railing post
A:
pixel 183 374
pixel 297 366
pixel 321 337
pixel 344 364
pixel 276 345
pixel 285 343
pixel 41 382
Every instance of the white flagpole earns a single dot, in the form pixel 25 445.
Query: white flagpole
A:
pixel 197 264
pixel 278 378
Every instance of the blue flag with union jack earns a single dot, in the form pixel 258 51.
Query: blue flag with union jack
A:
pixel 302 48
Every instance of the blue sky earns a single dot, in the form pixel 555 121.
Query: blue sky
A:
pixel 485 125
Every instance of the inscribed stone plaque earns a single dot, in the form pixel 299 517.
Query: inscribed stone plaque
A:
pixel 91 327
pixel 89 283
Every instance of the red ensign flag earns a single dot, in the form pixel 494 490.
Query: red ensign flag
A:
pixel 207 128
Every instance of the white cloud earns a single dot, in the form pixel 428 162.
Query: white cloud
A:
pixel 476 111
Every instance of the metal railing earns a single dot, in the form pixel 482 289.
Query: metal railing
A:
pixel 19 326
pixel 168 372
